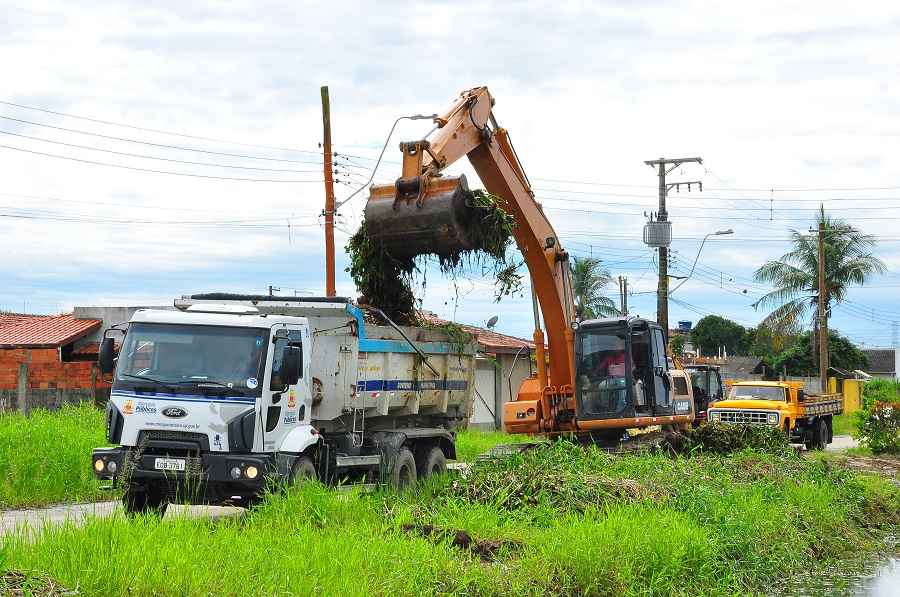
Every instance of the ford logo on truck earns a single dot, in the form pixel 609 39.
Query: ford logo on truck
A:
pixel 174 412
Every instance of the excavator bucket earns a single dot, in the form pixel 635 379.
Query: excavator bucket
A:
pixel 421 215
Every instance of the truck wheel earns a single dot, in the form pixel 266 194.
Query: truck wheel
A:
pixel 404 472
pixel 821 434
pixel 304 469
pixel 435 463
pixel 143 500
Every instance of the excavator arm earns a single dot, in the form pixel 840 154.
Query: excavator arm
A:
pixel 469 129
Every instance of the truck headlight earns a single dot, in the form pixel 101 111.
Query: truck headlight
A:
pixel 773 418
pixel 235 472
pixel 112 467
pixel 99 465
pixel 713 416
pixel 251 472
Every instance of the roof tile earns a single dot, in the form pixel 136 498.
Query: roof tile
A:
pixel 44 330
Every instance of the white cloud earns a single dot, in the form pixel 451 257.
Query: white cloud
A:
pixel 768 93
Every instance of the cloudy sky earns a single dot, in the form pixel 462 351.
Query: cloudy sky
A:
pixel 215 182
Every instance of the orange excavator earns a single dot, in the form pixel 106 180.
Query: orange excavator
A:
pixel 594 378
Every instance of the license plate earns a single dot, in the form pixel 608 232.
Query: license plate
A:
pixel 169 464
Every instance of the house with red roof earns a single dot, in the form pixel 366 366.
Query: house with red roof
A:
pixel 46 361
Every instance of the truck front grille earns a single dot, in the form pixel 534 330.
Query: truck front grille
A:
pixel 744 417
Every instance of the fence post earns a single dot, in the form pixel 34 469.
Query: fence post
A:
pixel 22 386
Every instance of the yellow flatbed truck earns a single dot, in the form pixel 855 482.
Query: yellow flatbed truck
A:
pixel 805 418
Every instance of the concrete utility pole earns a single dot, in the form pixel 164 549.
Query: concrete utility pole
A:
pixel 823 316
pixel 665 166
pixel 623 295
pixel 329 194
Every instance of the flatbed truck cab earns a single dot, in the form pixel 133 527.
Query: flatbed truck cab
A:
pixel 805 418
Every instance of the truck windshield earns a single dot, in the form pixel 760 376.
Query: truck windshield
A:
pixel 601 372
pixel 182 356
pixel 756 393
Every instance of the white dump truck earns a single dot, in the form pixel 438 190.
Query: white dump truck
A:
pixel 213 400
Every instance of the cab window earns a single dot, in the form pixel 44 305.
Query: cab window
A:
pixel 281 342
pixel 680 386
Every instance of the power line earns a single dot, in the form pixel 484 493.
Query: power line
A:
pixel 83 161
pixel 161 132
pixel 150 157
pixel 180 148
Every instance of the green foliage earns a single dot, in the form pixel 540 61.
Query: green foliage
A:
pixel 878 422
pixel 589 280
pixel 713 331
pixel 677 345
pixel 798 357
pixel 46 457
pixel 718 438
pixel 848 261
pixel 387 282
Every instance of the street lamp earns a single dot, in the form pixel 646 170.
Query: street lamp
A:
pixel 691 273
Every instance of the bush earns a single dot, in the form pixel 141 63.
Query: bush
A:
pixel 878 423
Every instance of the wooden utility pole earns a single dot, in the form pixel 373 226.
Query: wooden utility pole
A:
pixel 662 290
pixel 823 315
pixel 329 194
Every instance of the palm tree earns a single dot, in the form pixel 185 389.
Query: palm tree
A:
pixel 848 261
pixel 588 281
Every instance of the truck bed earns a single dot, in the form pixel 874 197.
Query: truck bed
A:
pixel 822 404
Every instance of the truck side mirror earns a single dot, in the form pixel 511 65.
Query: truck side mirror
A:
pixel 291 361
pixel 106 356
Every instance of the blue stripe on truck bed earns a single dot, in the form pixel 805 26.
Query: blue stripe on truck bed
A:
pixel 392 385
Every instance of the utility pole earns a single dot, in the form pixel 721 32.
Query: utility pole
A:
pixel 329 194
pixel 273 290
pixel 823 316
pixel 665 166
pixel 623 295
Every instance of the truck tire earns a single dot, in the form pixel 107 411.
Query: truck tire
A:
pixel 403 473
pixel 304 470
pixel 434 463
pixel 819 436
pixel 139 499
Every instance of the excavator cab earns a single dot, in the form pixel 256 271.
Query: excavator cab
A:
pixel 621 370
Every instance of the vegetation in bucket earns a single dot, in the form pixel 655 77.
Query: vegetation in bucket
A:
pixel 387 281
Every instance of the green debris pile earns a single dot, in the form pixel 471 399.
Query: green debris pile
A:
pixel 387 282
pixel 719 438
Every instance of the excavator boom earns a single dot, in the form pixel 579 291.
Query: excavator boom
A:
pixel 425 212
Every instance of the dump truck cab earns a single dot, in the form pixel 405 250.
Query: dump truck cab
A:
pixel 805 418
pixel 707 387
pixel 186 395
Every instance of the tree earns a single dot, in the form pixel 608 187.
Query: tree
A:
pixel 677 345
pixel 589 279
pixel 713 331
pixel 797 358
pixel 848 261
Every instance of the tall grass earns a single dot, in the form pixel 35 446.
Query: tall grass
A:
pixel 46 457
pixel 632 525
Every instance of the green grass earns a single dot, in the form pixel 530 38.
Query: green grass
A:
pixel 562 520
pixel 46 457
pixel 842 425
pixel 472 442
